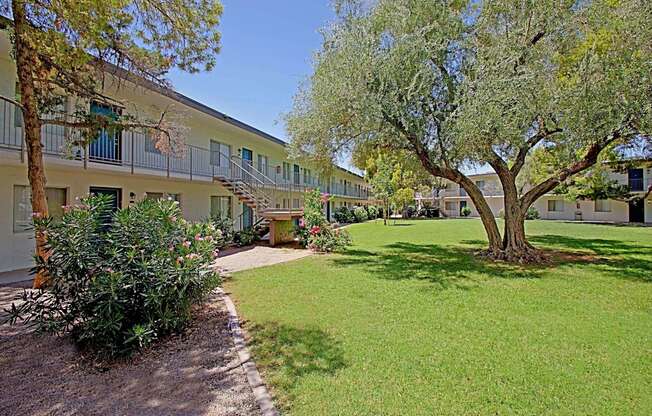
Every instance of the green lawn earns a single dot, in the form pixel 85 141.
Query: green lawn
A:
pixel 408 322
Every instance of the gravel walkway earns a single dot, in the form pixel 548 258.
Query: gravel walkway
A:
pixel 197 373
pixel 258 256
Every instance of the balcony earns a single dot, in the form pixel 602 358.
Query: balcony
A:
pixel 134 152
pixel 461 193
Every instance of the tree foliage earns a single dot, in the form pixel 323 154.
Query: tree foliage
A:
pixel 462 83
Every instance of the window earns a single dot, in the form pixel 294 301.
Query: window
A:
pixel 220 153
pixel 221 206
pixel 555 205
pixel 56 197
pixel 602 205
pixel 154 195
pixel 296 203
pixel 286 171
pixel 450 206
pixel 263 163
pixel 480 184
pixel 286 203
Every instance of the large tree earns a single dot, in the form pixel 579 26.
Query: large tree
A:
pixel 462 83
pixel 68 48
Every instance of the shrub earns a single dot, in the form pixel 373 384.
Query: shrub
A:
pixel 245 237
pixel 314 231
pixel 360 214
pixel 501 214
pixel 119 282
pixel 225 226
pixel 373 212
pixel 466 211
pixel 410 211
pixel 326 240
pixel 343 215
pixel 532 214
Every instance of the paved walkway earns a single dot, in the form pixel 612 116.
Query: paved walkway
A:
pixel 258 256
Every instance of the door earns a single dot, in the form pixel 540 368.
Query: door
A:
pixel 106 147
pixel 247 217
pixel 116 198
pixel 247 158
pixel 636 211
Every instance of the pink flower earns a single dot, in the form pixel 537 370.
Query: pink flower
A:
pixel 216 254
pixel 192 256
pixel 173 218
pixel 325 197
pixel 302 223
pixel 198 237
pixel 109 270
pixel 209 238
pixel 315 230
pixel 179 260
pixel 186 243
pixel 37 215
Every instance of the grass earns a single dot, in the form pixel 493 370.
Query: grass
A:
pixel 408 322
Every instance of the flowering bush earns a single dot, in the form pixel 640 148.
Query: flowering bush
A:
pixel 117 282
pixel 313 230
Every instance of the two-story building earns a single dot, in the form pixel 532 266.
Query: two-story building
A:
pixel 555 207
pixel 225 167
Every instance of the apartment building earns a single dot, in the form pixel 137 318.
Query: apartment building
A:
pixel 554 207
pixel 225 167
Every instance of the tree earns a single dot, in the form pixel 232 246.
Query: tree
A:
pixel 462 83
pixel 379 176
pixel 67 48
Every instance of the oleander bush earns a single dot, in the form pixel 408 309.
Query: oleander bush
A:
pixel 360 214
pixel 466 211
pixel 314 231
pixel 119 282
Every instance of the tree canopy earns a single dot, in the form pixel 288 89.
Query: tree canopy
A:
pixel 463 83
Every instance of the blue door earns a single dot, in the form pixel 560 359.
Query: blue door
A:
pixel 247 158
pixel 106 145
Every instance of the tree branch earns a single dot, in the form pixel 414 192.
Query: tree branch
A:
pixel 590 158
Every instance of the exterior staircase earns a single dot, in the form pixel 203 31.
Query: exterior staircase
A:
pixel 251 187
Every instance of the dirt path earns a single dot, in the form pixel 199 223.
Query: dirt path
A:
pixel 197 373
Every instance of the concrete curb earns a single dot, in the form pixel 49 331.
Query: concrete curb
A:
pixel 261 394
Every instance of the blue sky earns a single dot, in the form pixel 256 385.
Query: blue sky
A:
pixel 266 52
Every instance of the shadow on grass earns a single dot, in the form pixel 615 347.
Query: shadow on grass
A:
pixel 625 259
pixel 288 354
pixel 621 258
pixel 444 266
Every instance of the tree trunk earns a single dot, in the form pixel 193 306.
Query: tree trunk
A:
pixel 515 247
pixel 486 216
pixel 26 63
